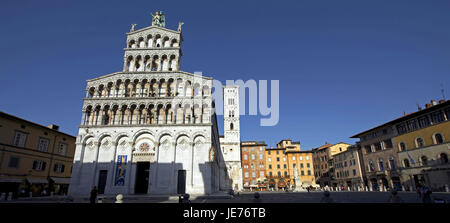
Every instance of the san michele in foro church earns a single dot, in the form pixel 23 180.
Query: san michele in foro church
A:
pixel 151 128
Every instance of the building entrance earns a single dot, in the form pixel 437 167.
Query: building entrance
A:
pixel 181 187
pixel 142 175
pixel 103 175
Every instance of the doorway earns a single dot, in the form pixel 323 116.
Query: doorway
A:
pixel 102 181
pixel 142 175
pixel 181 187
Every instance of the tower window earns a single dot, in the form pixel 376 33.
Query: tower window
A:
pixel 231 126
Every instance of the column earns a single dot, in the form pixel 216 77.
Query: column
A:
pixel 100 118
pixel 125 69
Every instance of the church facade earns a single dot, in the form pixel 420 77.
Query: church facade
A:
pixel 149 129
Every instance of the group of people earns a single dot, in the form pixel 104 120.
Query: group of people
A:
pixel 424 193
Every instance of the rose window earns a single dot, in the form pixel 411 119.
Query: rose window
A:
pixel 144 147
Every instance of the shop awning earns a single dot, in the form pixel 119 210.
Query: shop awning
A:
pixel 11 180
pixel 60 180
pixel 37 180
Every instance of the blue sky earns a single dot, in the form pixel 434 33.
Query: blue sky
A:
pixel 343 66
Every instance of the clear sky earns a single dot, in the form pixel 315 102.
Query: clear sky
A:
pixel 343 66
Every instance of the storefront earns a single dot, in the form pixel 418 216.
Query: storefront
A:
pixel 11 185
pixel 38 186
pixel 60 185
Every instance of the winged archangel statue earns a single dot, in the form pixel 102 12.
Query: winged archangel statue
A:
pixel 159 19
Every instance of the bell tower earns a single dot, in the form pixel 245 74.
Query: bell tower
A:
pixel 231 141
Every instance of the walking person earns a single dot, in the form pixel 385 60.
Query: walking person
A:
pixel 426 195
pixel 94 193
pixel 395 198
pixel 419 191
pixel 326 198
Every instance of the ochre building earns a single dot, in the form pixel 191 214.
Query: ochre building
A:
pixel 34 158
pixel 283 160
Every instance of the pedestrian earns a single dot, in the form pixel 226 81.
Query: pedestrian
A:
pixel 326 198
pixel 419 191
pixel 307 188
pixel 426 195
pixel 257 198
pixel 93 196
pixel 395 198
pixel 184 199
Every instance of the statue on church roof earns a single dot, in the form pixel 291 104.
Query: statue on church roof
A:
pixel 179 26
pixel 132 27
pixel 159 19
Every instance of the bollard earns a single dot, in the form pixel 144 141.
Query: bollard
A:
pixel 446 188
pixel 100 200
pixel 10 196
pixel 119 198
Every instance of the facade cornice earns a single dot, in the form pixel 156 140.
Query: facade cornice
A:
pixel 153 27
pixel 145 125
pixel 144 75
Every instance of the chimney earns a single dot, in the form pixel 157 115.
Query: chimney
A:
pixel 427 105
pixel 441 101
pixel 419 108
pixel 53 126
pixel 433 102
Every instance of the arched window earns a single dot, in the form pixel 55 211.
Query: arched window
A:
pixel 438 138
pixel 392 163
pixel 424 160
pixel 402 146
pixel 406 163
pixel 371 166
pixel 380 164
pixel 419 142
pixel 444 158
pixel 231 126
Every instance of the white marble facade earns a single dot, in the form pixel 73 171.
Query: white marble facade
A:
pixel 152 114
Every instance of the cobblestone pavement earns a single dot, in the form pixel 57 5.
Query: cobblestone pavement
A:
pixel 247 197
